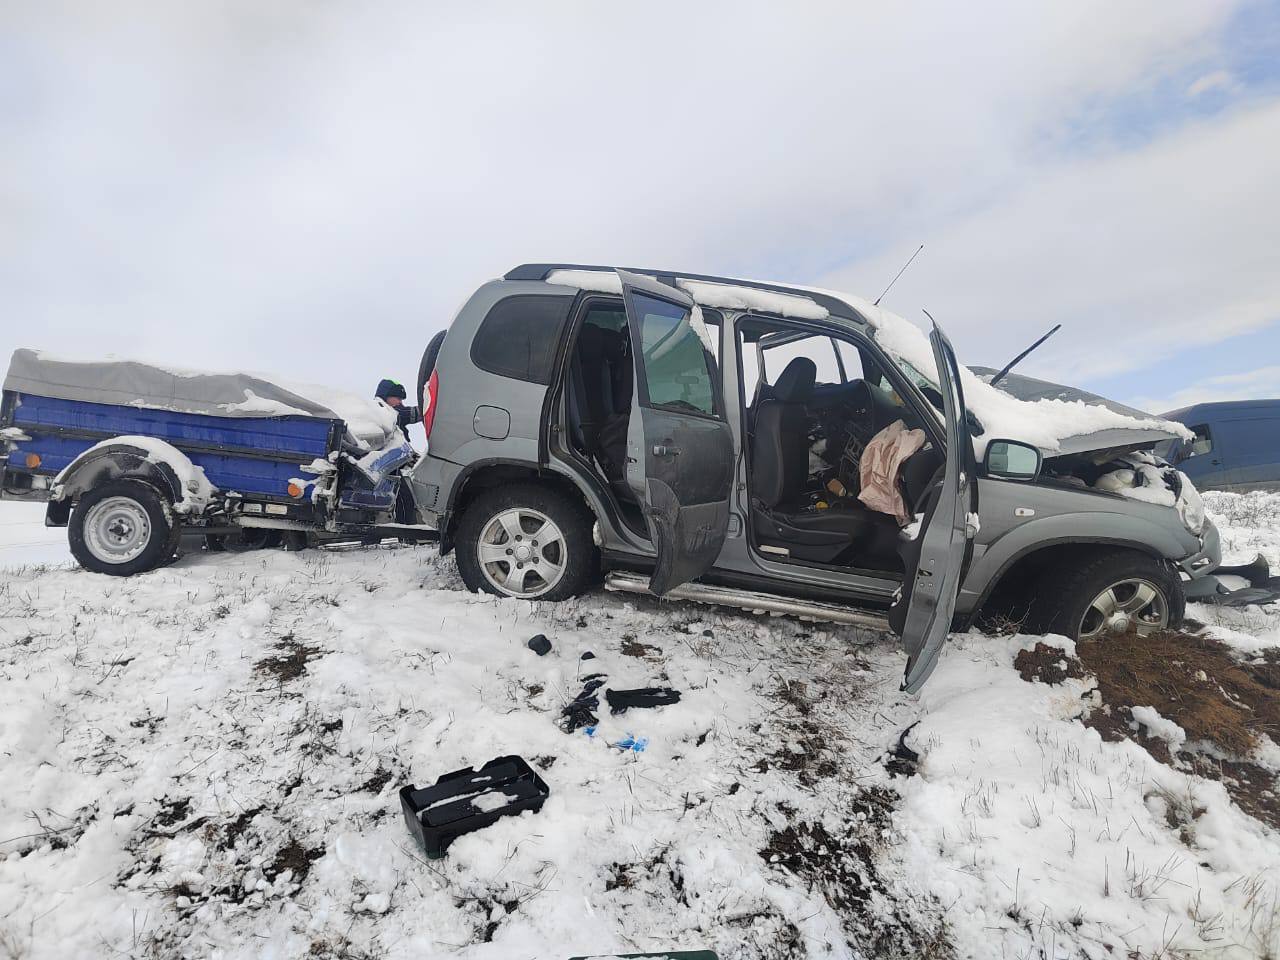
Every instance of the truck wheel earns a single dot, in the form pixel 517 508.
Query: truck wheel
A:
pixel 122 528
pixel 525 541
pixel 1109 594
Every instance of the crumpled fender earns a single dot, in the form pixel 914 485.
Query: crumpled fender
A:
pixel 114 461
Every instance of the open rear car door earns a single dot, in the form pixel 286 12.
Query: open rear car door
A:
pixel 935 561
pixel 679 447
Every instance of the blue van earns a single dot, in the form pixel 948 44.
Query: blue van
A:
pixel 1236 445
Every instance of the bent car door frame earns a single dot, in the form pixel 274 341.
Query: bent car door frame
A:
pixel 932 582
pixel 679 457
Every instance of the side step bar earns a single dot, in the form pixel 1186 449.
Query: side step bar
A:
pixel 624 582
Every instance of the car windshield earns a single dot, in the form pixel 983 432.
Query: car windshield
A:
pixel 915 376
pixel 928 386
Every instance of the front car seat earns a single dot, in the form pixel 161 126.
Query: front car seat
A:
pixel 782 517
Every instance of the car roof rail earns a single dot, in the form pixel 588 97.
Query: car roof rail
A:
pixel 833 305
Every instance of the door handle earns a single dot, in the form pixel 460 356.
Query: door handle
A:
pixel 662 450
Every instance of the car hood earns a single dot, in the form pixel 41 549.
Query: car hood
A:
pixel 1144 431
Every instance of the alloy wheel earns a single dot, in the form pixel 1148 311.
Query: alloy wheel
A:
pixel 522 552
pixel 1127 604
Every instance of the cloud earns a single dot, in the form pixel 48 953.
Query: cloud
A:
pixel 1138 253
pixel 314 188
pixel 1215 80
pixel 1250 385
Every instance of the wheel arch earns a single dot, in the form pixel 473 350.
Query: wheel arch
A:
pixel 487 474
pixel 117 460
pixel 1021 570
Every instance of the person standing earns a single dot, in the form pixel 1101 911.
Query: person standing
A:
pixel 392 393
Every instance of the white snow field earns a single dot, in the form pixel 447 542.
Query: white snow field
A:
pixel 203 762
pixel 25 540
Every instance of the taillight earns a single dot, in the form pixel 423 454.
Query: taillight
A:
pixel 429 404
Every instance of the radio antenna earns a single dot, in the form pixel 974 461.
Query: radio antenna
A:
pixel 898 274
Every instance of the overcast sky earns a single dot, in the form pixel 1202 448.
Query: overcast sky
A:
pixel 312 188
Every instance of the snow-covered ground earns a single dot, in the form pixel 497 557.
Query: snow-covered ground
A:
pixel 203 761
pixel 25 540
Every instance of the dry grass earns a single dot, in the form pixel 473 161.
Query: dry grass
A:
pixel 1195 681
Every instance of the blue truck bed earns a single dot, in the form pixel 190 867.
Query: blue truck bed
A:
pixel 255 456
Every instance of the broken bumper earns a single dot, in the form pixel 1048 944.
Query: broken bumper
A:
pixel 1262 588
pixel 1205 560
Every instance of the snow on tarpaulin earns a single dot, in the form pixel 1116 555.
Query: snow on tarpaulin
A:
pixel 132 383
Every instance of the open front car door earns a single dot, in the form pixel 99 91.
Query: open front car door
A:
pixel 934 562
pixel 679 448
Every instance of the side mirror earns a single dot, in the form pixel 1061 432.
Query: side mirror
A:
pixel 1012 460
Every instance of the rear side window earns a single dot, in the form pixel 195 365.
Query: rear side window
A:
pixel 520 335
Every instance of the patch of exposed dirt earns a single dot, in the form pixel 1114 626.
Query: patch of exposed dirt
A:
pixel 381 777
pixel 1047 664
pixel 841 866
pixel 290 664
pixel 796 693
pixel 809 758
pixel 1254 788
pixel 619 877
pixel 295 857
pixel 234 828
pixel 1193 680
pixel 173 811
pixel 488 908
pixel 631 647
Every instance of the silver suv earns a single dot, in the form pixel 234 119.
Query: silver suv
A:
pixel 698 437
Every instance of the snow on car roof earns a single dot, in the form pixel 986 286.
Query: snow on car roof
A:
pixel 1051 424
pixel 1055 425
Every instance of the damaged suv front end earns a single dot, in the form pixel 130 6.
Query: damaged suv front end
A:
pixel 1099 485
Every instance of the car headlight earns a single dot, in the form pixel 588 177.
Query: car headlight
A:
pixel 1189 505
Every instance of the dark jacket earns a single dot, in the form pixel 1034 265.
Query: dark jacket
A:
pixel 405 414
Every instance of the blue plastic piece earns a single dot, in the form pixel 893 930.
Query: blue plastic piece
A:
pixel 634 744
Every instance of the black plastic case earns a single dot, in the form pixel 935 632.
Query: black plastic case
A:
pixel 437 814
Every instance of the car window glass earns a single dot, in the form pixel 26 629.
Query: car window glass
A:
pixel 678 367
pixel 817 348
pixel 519 336
pixel 851 359
pixel 706 323
pixel 750 368
pixel 1202 442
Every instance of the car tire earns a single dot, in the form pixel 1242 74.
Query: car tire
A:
pixel 122 528
pixel 557 567
pixel 1064 601
pixel 428 364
